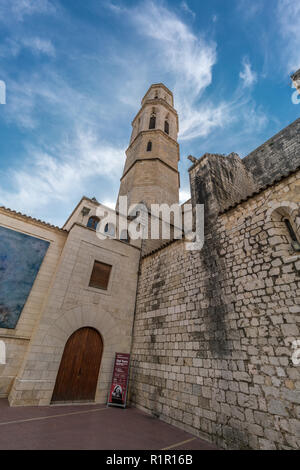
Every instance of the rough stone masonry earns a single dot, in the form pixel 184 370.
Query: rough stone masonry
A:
pixel 214 329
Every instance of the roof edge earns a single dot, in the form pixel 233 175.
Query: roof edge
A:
pixel 31 219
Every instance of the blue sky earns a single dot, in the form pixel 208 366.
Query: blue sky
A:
pixel 76 70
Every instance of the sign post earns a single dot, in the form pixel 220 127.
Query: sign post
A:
pixel 119 383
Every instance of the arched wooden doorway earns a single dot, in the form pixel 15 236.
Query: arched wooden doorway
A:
pixel 79 368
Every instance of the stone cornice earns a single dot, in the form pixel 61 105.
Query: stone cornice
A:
pixel 157 85
pixel 155 102
pixel 153 131
pixel 148 160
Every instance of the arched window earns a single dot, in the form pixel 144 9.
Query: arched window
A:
pixel 149 146
pixel 110 230
pixel 167 127
pixel 93 222
pixel 152 122
pixel 124 236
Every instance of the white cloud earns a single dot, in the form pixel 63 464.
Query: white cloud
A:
pixel 109 203
pixel 54 176
pixel 248 76
pixel 22 8
pixel 288 15
pixel 45 179
pixel 18 10
pixel 190 58
pixel 184 195
pixel 45 91
pixel 187 9
pixel 249 8
pixel 39 45
pixel 36 45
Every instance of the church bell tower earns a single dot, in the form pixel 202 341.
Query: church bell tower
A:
pixel 151 170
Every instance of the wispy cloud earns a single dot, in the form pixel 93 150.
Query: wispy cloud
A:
pixel 248 76
pixel 29 95
pixel 22 8
pixel 37 45
pixel 18 10
pixel 288 16
pixel 250 9
pixel 56 175
pixel 187 9
pixel 190 57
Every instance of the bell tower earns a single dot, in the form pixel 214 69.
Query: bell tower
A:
pixel 151 169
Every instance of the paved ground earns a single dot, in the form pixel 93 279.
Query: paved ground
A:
pixel 89 427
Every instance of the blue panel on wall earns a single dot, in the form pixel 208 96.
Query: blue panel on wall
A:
pixel 20 259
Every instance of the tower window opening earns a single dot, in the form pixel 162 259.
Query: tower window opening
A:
pixel 167 127
pixel 152 123
pixel 290 230
pixel 149 146
pixel 292 234
pixel 93 222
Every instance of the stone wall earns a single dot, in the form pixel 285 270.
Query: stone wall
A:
pixel 214 329
pixel 218 182
pixel 17 340
pixel 276 157
pixel 72 304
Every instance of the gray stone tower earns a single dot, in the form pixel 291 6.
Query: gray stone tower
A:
pixel 151 170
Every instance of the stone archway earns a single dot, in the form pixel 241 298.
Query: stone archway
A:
pixel 79 367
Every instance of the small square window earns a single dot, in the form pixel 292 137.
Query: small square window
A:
pixel 100 275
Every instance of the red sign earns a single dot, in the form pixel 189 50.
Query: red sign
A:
pixel 118 389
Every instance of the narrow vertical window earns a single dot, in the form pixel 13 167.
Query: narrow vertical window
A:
pixel 290 230
pixel 292 234
pixel 152 123
pixel 149 146
pixel 167 127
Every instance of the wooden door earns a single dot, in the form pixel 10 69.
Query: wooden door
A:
pixel 79 368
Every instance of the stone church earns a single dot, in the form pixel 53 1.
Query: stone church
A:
pixel 213 334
